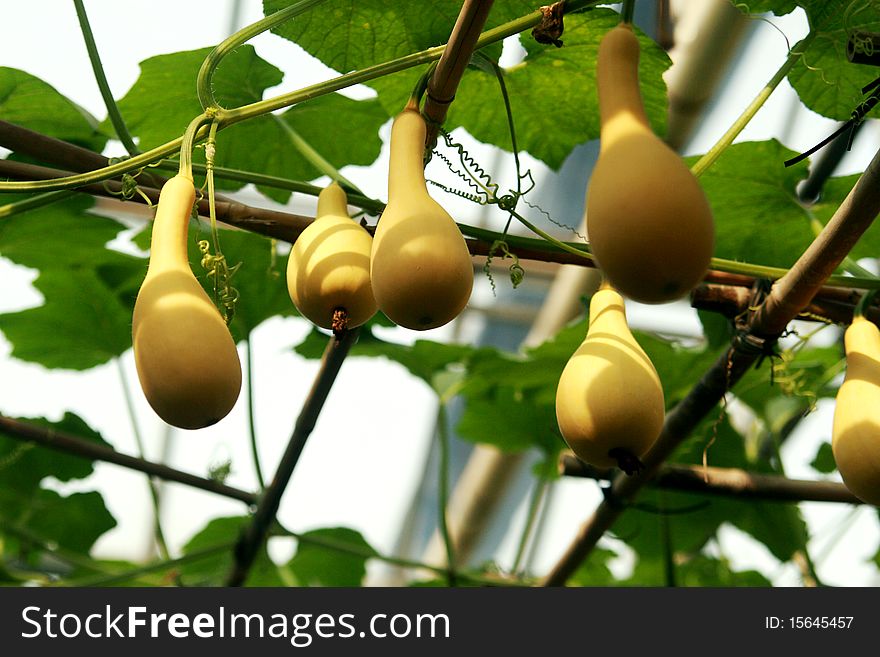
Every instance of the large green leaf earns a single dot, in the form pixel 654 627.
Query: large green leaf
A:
pixel 318 563
pixel 553 92
pixel 778 7
pixel 824 78
pixel 60 236
pixel 163 101
pixel 268 144
pixel 215 566
pixel 81 324
pixel 24 465
pixel 29 102
pixel 753 196
pixel 349 35
pixel 73 522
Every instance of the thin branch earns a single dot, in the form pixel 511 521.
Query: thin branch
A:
pixel 725 482
pixel 787 298
pixel 101 78
pixel 254 535
pixel 731 301
pixel 284 226
pixel 453 62
pixel 65 442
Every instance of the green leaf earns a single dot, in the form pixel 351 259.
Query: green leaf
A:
pixel 594 570
pixel 31 103
pixel 824 460
pixel 344 34
pixel 61 235
pixel 214 568
pixel 511 420
pixel 74 522
pixel 24 465
pixel 697 570
pixel 752 197
pixel 824 78
pixel 267 144
pixel 553 92
pixel 834 191
pixel 81 324
pixel 317 563
pixel 802 376
pixel 717 328
pixel 776 524
pixel 163 100
pixel 778 7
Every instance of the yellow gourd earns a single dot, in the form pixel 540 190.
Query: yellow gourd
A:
pixel 855 433
pixel 609 401
pixel 648 221
pixel 420 268
pixel 186 359
pixel 328 273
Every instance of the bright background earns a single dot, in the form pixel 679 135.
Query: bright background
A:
pixel 363 464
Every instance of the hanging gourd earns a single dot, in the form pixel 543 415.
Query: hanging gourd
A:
pixel 187 362
pixel 648 221
pixel 328 273
pixel 609 401
pixel 855 433
pixel 420 267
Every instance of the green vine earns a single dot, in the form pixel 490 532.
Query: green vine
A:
pixel 218 270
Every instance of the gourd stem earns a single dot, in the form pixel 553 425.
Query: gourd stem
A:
pixel 418 92
pixel 443 492
pixel 159 534
pixel 727 138
pixel 537 497
pixel 101 78
pixel 188 142
pixel 861 309
pixel 33 202
pixel 212 61
pixel 252 424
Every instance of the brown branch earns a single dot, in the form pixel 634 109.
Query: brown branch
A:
pixel 70 444
pixel 254 535
pixel 453 62
pixel 788 297
pixel 725 482
pixel 732 301
pixel 271 223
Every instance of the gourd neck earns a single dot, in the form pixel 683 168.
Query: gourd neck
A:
pixel 332 201
pixel 171 225
pixel 608 313
pixel 617 75
pixel 406 168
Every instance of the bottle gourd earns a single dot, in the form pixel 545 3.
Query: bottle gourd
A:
pixel 855 433
pixel 186 359
pixel 609 401
pixel 420 267
pixel 328 273
pixel 648 221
